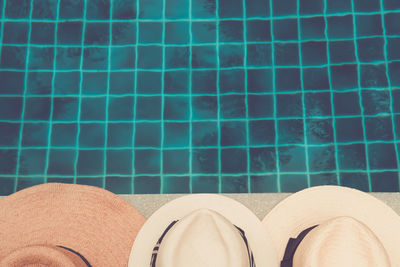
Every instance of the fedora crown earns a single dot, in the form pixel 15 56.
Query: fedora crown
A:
pixel 341 241
pixel 203 238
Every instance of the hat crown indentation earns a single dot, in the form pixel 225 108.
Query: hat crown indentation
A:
pixel 203 238
pixel 341 241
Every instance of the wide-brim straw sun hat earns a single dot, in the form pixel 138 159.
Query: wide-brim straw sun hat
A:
pixel 334 226
pixel 203 230
pixel 66 225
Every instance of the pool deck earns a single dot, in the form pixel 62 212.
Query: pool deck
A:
pixel 260 204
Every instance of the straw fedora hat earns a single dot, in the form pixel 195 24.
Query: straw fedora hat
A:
pixel 66 225
pixel 203 230
pixel 326 226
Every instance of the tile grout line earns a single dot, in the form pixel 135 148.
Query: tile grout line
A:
pixel 246 96
pixel 46 170
pixel 212 120
pixel 107 96
pixel 205 69
pixel 211 94
pixel 332 95
pixel 207 44
pixel 23 99
pixel 221 43
pixel 3 15
pixel 78 128
pixel 360 95
pixel 135 99
pixel 306 151
pixel 275 117
pixel 280 17
pixel 190 99
pixel 207 147
pixel 217 43
pixel 396 147
pixel 162 101
pixel 217 20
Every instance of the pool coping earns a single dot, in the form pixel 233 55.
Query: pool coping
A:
pixel 259 203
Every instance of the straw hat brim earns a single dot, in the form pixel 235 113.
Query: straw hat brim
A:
pixel 239 215
pixel 315 205
pixel 92 221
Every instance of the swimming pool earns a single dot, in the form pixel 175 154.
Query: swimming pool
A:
pixel 178 96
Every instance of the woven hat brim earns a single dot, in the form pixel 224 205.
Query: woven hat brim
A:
pixel 315 205
pixel 239 215
pixel 92 221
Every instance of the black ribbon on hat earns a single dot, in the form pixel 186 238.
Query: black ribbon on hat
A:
pixel 249 252
pixel 291 247
pixel 77 253
pixel 157 246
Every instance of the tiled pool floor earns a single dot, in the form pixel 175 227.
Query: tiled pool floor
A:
pixel 168 96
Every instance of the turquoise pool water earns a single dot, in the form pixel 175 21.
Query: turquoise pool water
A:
pixel 186 96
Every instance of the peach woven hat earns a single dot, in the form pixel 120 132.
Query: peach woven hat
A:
pixel 203 230
pixel 66 225
pixel 329 226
